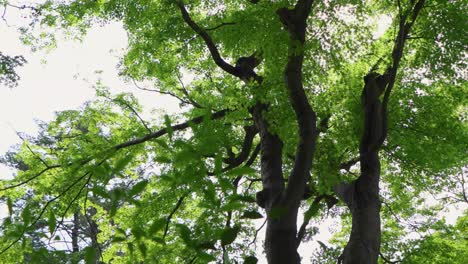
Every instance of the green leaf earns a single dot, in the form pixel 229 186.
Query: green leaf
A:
pixel 90 255
pixel 137 188
pixel 204 257
pixel 252 215
pixel 101 191
pixel 167 123
pixel 250 260
pixel 10 206
pixel 26 215
pixel 242 171
pixel 157 225
pixel 185 233
pixel 232 206
pixel 143 249
pixel 312 211
pixel 229 235
pixel 162 143
pixel 243 198
pixel 207 245
pixel 163 159
pixel 120 164
pixel 52 221
pixel 218 163
pixel 118 239
pixel 138 232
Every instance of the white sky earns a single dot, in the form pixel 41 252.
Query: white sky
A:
pixel 65 82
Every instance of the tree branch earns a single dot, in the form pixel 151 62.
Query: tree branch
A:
pixel 169 217
pixel 295 22
pixel 32 178
pixel 208 41
pixel 397 54
pixel 221 25
pixel 161 132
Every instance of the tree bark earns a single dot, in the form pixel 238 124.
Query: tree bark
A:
pixel 362 195
pixel 75 232
pixel 282 202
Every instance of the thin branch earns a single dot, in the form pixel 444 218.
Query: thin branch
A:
pixel 174 210
pixel 183 101
pixel 133 142
pixel 71 203
pixel 397 53
pixel 302 229
pixel 89 221
pixel 185 92
pixel 30 179
pixel 36 155
pixel 256 233
pixel 221 25
pixel 386 260
pixel 22 7
pixel 164 131
pixel 133 111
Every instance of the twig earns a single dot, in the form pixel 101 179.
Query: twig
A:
pixel 221 25
pixel 256 233
pixel 30 179
pixel 161 92
pixel 169 217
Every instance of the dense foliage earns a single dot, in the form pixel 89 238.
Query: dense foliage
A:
pixel 186 188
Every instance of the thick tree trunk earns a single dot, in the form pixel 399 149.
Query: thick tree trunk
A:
pixel 281 240
pixel 362 198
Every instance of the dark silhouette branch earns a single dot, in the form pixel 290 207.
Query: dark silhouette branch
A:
pixel 221 25
pixel 171 214
pixel 164 131
pixel 31 178
pixel 256 233
pixel 208 41
pixel 182 100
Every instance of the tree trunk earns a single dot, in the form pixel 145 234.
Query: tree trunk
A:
pixel 362 198
pixel 75 230
pixel 362 195
pixel 281 241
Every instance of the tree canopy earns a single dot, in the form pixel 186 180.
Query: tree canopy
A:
pixel 287 107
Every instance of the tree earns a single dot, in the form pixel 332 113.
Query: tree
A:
pixel 8 75
pixel 302 84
